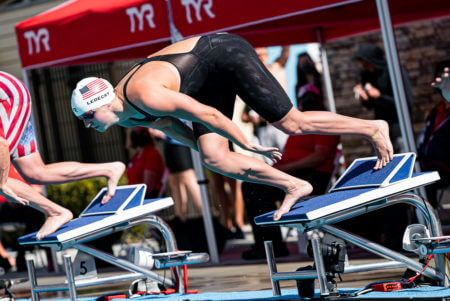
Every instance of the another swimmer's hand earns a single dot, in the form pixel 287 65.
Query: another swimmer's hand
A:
pixel 272 153
pixel 7 191
pixel 443 83
pixel 382 144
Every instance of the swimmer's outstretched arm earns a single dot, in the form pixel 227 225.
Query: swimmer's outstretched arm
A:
pixel 177 130
pixel 182 106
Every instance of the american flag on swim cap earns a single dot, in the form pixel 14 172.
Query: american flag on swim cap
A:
pixel 15 109
pixel 93 88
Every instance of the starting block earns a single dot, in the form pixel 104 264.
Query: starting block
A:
pixel 358 191
pixel 126 209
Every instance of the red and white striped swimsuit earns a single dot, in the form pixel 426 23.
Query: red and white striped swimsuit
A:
pixel 15 111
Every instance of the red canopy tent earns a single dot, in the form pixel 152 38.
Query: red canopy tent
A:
pixel 84 31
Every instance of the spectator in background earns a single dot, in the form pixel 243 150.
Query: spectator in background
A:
pixel 182 178
pixel 231 202
pixel 434 146
pixel 375 90
pixel 309 157
pixel 308 79
pixel 146 165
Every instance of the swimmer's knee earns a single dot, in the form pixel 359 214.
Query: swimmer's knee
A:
pixel 294 123
pixel 213 159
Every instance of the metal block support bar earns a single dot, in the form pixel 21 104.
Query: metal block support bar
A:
pixel 32 277
pixel 70 278
pixel 272 268
pixel 318 261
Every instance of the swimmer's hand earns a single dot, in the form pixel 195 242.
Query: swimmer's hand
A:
pixel 114 171
pixel 443 83
pixel 272 153
pixel 382 143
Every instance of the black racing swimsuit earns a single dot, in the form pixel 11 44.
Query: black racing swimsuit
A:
pixel 220 67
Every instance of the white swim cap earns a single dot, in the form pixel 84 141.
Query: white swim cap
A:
pixel 90 94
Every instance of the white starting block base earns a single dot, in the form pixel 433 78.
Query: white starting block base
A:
pixel 126 209
pixel 359 190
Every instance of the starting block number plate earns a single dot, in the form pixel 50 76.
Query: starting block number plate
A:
pixel 84 266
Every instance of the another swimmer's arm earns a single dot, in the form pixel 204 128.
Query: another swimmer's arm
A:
pixel 5 189
pixel 177 130
pixel 4 161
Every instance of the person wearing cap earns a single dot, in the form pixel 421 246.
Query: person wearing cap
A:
pixel 197 79
pixel 375 93
pixel 18 146
pixel 375 90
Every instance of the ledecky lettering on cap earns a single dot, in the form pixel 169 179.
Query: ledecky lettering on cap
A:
pixel 90 94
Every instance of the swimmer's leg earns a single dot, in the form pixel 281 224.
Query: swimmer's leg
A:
pixel 321 122
pixel 217 156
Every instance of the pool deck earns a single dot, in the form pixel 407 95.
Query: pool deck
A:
pixel 230 275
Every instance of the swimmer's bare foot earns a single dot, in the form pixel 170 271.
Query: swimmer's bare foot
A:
pixel 300 189
pixel 53 222
pixel 115 171
pixel 382 143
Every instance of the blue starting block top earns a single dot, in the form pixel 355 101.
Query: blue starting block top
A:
pixel 358 186
pixel 128 203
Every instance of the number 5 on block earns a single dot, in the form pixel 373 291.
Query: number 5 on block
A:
pixel 84 266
